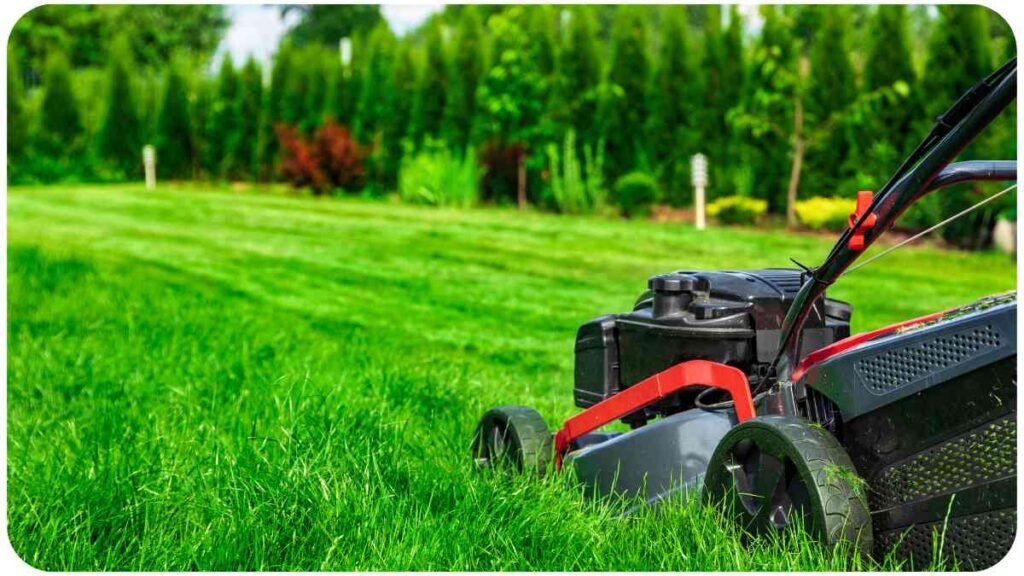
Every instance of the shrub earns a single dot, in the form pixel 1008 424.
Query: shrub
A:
pixel 439 178
pixel 737 209
pixel 576 188
pixel 333 160
pixel 635 193
pixel 340 157
pixel 824 213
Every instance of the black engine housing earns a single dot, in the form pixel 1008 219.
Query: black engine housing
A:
pixel 731 317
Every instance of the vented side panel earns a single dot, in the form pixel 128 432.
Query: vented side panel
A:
pixel 983 455
pixel 897 367
pixel 973 542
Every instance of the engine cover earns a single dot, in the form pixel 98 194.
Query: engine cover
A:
pixel 733 318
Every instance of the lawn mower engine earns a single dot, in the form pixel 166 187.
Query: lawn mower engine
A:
pixel 732 318
pixel 746 388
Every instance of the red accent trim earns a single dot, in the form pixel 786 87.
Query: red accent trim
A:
pixel 864 198
pixel 845 344
pixel 652 389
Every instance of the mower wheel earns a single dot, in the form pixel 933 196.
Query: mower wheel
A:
pixel 772 472
pixel 513 436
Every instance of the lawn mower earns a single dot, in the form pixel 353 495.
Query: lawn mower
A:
pixel 747 389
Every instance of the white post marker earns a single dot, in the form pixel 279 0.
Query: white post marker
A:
pixel 699 176
pixel 149 163
pixel 345 51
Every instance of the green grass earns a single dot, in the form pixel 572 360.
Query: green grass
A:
pixel 212 380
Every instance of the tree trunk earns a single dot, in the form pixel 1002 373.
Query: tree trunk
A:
pixel 799 143
pixel 521 185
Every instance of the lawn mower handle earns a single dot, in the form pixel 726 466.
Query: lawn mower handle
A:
pixel 927 169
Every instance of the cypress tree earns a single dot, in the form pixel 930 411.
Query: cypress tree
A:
pixel 832 90
pixel 224 122
pixel 769 97
pixel 61 124
pixel 372 110
pixel 273 112
pixel 674 107
pixel 17 120
pixel 889 61
pixel 624 106
pixel 315 94
pixel 175 146
pixel 121 136
pixel 433 88
pixel 580 75
pixel 250 114
pixel 395 125
pixel 960 48
pixel 467 65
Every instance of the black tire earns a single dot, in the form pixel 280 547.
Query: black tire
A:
pixel 771 469
pixel 513 436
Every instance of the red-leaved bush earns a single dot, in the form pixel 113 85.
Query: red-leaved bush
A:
pixel 332 160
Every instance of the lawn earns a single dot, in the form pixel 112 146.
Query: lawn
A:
pixel 204 379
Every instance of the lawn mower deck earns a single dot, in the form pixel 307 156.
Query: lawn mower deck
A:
pixel 747 389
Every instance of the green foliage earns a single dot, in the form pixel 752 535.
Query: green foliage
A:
pixel 580 75
pixel 373 108
pixel 673 119
pixel 326 24
pixel 17 118
pixel 121 137
pixel 510 98
pixel 433 87
pixel 467 66
pixel 737 209
pixel 84 32
pixel 832 88
pixel 247 160
pixel 223 124
pixel 60 122
pixel 437 177
pixel 624 106
pixel 636 193
pixel 577 187
pixel 825 213
pixel 175 144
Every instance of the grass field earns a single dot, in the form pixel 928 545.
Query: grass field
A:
pixel 212 380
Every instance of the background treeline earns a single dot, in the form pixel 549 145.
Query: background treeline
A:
pixel 573 109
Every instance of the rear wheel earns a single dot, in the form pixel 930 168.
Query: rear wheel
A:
pixel 514 436
pixel 774 472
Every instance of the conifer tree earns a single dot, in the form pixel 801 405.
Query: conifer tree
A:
pixel 674 108
pixel 17 119
pixel 624 104
pixel 224 122
pixel 372 110
pixel 60 121
pixel 467 65
pixel 121 136
pixel 580 75
pixel 175 145
pixel 315 94
pixel 250 116
pixel 433 87
pixel 831 92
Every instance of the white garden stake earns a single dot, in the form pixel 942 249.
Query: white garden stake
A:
pixel 149 163
pixel 699 176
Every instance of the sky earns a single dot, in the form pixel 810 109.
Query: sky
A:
pixel 257 29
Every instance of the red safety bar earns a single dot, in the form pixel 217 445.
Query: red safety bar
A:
pixel 652 389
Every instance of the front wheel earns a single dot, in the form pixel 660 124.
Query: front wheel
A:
pixel 774 471
pixel 514 436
